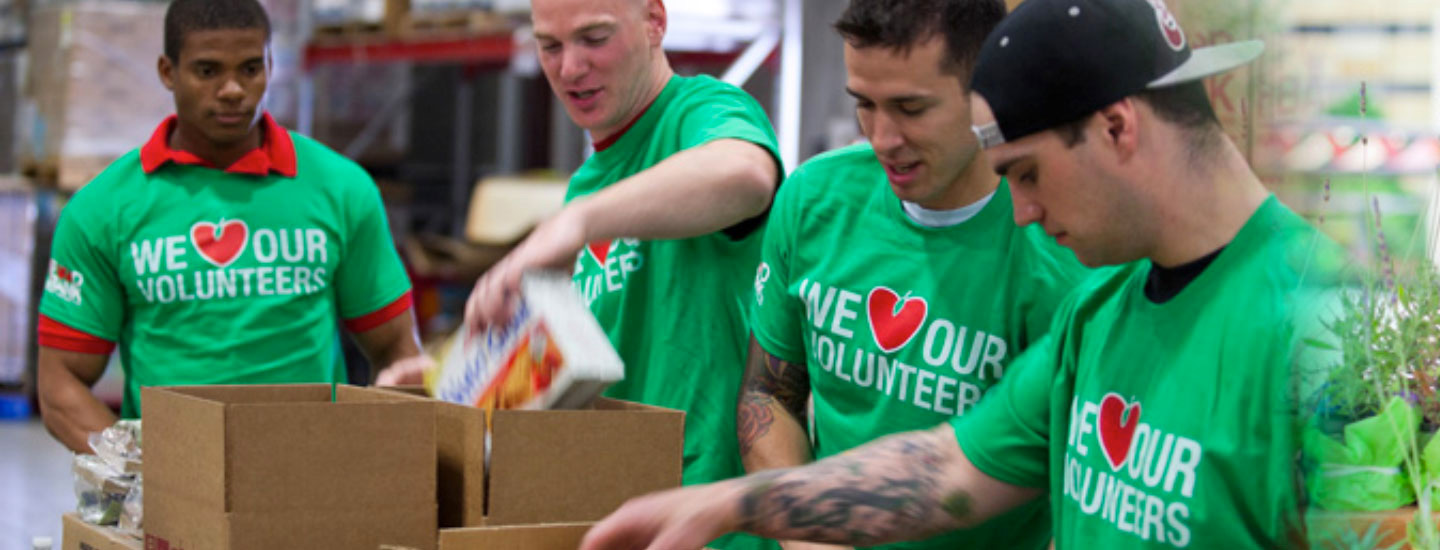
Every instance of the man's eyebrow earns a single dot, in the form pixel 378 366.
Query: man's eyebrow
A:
pixel 901 99
pixel 1004 167
pixel 598 25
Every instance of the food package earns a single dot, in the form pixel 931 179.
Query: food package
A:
pixel 132 512
pixel 107 483
pixel 551 355
pixel 100 490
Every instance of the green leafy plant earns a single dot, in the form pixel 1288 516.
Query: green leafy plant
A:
pixel 1386 336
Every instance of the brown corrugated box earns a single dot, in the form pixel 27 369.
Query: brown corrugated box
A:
pixel 263 467
pixel 547 468
pixel 92 92
pixel 78 535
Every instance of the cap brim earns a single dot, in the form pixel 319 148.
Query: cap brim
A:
pixel 1212 60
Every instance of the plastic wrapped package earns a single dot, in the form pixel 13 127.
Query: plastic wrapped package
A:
pixel 119 446
pixel 107 483
pixel 100 490
pixel 132 513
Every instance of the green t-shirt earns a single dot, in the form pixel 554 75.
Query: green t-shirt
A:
pixel 1164 425
pixel 208 277
pixel 903 326
pixel 676 310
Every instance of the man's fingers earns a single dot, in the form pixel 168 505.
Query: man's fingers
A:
pixel 610 535
pixel 407 372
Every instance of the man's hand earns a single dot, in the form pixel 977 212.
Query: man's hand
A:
pixel 553 245
pixel 406 372
pixel 907 486
pixel 393 348
pixel 679 519
pixel 694 192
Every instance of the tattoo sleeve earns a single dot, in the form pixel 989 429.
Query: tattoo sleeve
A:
pixel 770 383
pixel 904 487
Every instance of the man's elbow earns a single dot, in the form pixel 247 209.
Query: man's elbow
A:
pixel 754 176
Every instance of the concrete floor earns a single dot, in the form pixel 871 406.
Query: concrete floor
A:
pixel 35 486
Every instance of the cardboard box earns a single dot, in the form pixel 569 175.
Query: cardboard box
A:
pixel 504 209
pixel 552 354
pixel 551 466
pixel 78 535
pixel 564 536
pixel 264 467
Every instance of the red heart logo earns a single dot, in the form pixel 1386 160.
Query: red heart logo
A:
pixel 600 250
pixel 894 327
pixel 1117 428
pixel 1169 27
pixel 220 249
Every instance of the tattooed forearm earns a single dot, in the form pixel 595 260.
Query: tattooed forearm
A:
pixel 901 487
pixel 770 384
pixel 786 382
pixel 753 420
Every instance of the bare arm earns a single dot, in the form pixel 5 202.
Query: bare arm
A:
pixel 393 348
pixel 694 192
pixel 68 408
pixel 770 419
pixel 905 487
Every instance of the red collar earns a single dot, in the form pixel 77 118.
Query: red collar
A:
pixel 610 141
pixel 275 154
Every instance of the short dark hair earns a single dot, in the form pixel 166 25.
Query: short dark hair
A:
pixel 1186 105
pixel 186 16
pixel 901 24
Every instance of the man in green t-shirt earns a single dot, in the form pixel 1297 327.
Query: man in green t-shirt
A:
pixel 895 289
pixel 220 252
pixel 664 222
pixel 1157 412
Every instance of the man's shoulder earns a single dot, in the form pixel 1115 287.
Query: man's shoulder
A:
pixel 853 166
pixel 119 177
pixel 704 86
pixel 319 165
pixel 315 155
pixel 1104 287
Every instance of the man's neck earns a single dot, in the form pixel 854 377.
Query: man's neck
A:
pixel 219 156
pixel 661 77
pixel 975 183
pixel 1202 208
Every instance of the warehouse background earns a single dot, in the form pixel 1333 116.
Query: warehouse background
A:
pixel 442 101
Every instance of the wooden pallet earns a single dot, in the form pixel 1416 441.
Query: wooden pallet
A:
pixel 474 22
pixel 43 173
pixel 350 30
pixel 414 27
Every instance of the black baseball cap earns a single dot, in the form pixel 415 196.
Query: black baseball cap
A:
pixel 1051 62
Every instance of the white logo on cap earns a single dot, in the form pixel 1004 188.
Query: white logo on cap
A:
pixel 1169 27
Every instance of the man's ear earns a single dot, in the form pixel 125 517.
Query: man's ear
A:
pixel 657 20
pixel 166 69
pixel 1122 128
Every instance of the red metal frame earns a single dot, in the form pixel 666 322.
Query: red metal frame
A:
pixel 490 50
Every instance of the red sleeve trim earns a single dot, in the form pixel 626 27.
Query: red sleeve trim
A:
pixel 54 334
pixel 380 316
